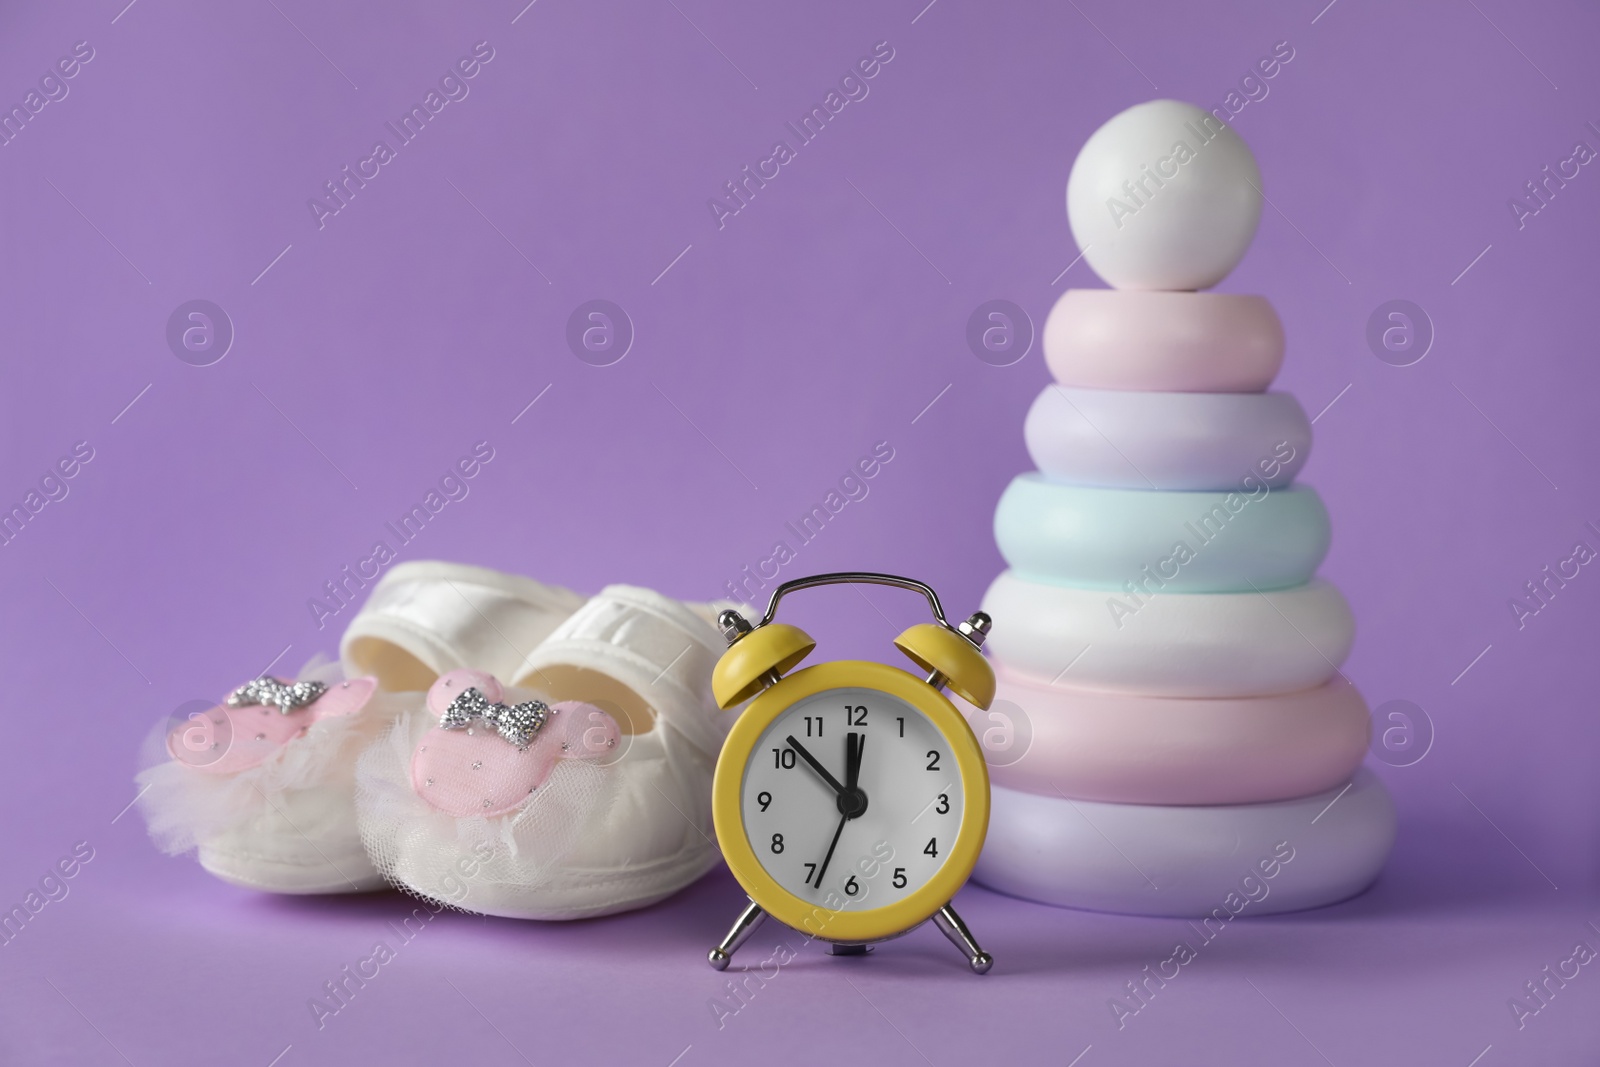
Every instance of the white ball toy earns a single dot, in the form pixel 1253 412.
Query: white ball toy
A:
pixel 1164 196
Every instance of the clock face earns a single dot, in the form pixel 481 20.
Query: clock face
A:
pixel 851 849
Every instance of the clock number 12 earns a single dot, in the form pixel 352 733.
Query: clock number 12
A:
pixel 855 716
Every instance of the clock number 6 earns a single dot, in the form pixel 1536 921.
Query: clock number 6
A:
pixel 851 887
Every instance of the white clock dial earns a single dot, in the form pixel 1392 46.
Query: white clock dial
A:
pixel 794 817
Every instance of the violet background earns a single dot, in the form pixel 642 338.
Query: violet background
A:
pixel 772 354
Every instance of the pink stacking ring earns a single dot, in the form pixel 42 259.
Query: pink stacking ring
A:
pixel 1125 749
pixel 1170 342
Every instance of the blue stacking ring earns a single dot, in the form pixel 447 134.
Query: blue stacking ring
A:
pixel 1170 542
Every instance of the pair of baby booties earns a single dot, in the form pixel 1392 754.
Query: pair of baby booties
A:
pixel 486 741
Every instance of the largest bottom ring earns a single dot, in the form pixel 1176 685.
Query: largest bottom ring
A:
pixel 1223 861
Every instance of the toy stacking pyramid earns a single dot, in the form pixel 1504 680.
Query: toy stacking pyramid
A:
pixel 1160 630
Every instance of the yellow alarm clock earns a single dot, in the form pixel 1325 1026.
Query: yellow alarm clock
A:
pixel 851 798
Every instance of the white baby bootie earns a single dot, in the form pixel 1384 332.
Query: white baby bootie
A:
pixel 427 617
pixel 262 785
pixel 583 789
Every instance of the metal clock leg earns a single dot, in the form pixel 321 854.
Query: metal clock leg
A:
pixel 746 925
pixel 950 923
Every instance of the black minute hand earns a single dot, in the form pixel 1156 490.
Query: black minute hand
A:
pixel 833 845
pixel 833 783
pixel 852 758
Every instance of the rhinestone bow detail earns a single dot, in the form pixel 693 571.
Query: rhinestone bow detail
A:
pixel 517 723
pixel 286 697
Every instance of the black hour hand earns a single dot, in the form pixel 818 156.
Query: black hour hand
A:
pixel 833 783
pixel 854 743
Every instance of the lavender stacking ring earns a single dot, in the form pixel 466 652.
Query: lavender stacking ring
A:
pixel 1211 863
pixel 1131 440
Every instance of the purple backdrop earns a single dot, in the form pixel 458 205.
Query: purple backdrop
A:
pixel 379 337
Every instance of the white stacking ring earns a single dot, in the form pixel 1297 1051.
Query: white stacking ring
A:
pixel 1132 540
pixel 1167 342
pixel 1208 863
pixel 1127 749
pixel 1170 644
pixel 1130 440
